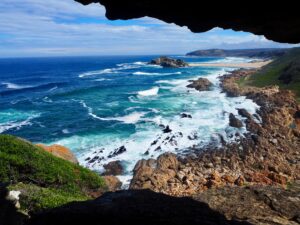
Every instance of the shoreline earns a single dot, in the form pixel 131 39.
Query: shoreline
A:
pixel 267 155
pixel 250 65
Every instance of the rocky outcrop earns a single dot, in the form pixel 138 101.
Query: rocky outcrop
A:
pixel 256 204
pixel 202 84
pixel 168 62
pixel 60 151
pixel 226 15
pixel 234 122
pixel 112 183
pixel 267 155
pixel 113 168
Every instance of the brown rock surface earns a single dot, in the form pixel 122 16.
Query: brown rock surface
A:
pixel 112 183
pixel 202 84
pixel 60 151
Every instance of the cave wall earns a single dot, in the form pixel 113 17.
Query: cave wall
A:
pixel 278 21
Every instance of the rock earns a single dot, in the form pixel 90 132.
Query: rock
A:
pixel 13 196
pixel 117 151
pixel 167 161
pixel 113 168
pixel 202 84
pixel 60 151
pixel 256 204
pixel 169 62
pixel 244 113
pixel 167 129
pixel 234 122
pixel 134 207
pixel 113 183
pixel 240 181
pixel 185 115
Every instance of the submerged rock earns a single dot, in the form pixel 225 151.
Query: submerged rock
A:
pixel 60 151
pixel 234 122
pixel 202 84
pixel 168 62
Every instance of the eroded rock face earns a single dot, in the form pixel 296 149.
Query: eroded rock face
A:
pixel 202 84
pixel 60 151
pixel 200 18
pixel 168 62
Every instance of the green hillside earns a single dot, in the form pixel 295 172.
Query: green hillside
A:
pixel 44 180
pixel 283 71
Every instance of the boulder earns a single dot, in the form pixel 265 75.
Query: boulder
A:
pixel 244 113
pixel 202 84
pixel 60 151
pixel 234 122
pixel 168 62
pixel 113 168
pixel 112 183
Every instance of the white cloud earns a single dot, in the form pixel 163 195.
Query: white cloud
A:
pixel 65 27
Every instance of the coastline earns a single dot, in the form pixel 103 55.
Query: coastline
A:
pixel 250 65
pixel 267 155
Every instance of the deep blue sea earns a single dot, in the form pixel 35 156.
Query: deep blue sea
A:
pixel 95 105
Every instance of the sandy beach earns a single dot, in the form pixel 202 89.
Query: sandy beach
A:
pixel 256 64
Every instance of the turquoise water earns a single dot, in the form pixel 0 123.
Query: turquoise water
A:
pixel 95 105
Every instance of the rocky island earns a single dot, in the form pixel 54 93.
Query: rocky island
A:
pixel 168 62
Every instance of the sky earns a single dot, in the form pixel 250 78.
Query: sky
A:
pixel 30 28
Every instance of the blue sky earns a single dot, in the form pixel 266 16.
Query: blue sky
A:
pixel 67 28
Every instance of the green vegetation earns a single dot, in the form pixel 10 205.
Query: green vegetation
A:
pixel 44 180
pixel 283 71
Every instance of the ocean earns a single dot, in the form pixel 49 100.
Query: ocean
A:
pixel 116 107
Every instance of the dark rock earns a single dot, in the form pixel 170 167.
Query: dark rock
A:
pixel 113 168
pixel 244 113
pixel 167 129
pixel 187 14
pixel 168 62
pixel 133 207
pixel 202 84
pixel 117 151
pixel 234 122
pixel 185 115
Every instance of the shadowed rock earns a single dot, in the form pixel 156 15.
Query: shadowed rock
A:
pixel 133 207
pixel 280 24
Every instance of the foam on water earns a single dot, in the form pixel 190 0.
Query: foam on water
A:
pixel 149 92
pixel 15 86
pixel 13 119
pixel 154 74
pixel 210 119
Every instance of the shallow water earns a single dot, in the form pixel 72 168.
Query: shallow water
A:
pixel 94 105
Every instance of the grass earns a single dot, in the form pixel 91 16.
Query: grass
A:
pixel 269 75
pixel 45 180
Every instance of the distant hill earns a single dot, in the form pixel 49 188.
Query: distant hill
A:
pixel 251 53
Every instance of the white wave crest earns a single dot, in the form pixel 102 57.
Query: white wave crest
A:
pixel 154 74
pixel 149 92
pixel 15 86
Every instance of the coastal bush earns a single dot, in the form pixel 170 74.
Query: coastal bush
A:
pixel 46 180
